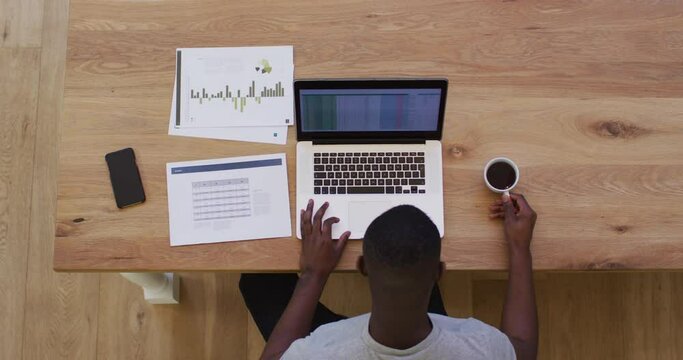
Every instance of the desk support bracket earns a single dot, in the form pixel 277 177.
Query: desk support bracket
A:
pixel 159 288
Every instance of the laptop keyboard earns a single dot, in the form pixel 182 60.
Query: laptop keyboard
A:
pixel 369 173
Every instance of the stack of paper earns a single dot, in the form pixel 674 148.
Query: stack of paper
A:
pixel 243 93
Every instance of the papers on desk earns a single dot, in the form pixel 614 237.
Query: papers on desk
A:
pixel 230 199
pixel 243 93
pixel 262 134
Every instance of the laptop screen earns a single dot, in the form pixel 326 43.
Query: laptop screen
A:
pixel 362 110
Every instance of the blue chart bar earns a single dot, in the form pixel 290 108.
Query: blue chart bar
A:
pixel 226 166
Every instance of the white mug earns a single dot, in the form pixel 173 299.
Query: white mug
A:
pixel 505 160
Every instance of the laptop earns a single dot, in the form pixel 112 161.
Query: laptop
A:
pixel 366 146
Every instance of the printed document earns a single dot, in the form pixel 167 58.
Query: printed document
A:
pixel 261 134
pixel 236 86
pixel 231 199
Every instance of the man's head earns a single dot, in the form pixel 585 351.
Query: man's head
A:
pixel 401 251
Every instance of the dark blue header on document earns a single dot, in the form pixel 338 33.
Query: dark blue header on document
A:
pixel 226 166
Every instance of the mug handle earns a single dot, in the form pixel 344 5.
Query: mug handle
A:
pixel 506 193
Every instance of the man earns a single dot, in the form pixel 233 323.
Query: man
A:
pixel 401 257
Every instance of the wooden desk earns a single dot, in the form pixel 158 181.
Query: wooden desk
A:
pixel 586 99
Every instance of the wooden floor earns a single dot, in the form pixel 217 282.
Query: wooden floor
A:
pixel 85 316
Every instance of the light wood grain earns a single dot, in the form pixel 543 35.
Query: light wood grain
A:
pixel 585 99
pixel 21 23
pixel 209 323
pixel 536 47
pixel 19 69
pixel 599 316
pixel 575 310
pixel 255 341
pixel 347 294
pixel 61 321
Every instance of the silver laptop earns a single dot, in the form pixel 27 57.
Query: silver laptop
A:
pixel 366 146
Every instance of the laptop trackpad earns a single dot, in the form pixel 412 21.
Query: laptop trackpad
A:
pixel 361 214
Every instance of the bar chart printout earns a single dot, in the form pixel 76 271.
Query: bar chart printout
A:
pixel 227 87
pixel 264 134
pixel 239 97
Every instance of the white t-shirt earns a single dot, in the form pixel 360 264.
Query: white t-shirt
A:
pixel 450 338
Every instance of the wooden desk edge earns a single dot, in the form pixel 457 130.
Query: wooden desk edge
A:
pixel 64 267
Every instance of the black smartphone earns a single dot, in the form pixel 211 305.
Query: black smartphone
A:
pixel 125 178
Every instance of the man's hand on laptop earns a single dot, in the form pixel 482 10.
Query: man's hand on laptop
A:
pixel 319 252
pixel 319 256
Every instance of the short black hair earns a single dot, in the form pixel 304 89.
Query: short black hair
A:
pixel 402 237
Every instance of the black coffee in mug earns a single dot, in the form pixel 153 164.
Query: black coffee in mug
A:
pixel 501 175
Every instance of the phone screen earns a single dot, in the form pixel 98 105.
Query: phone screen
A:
pixel 125 178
